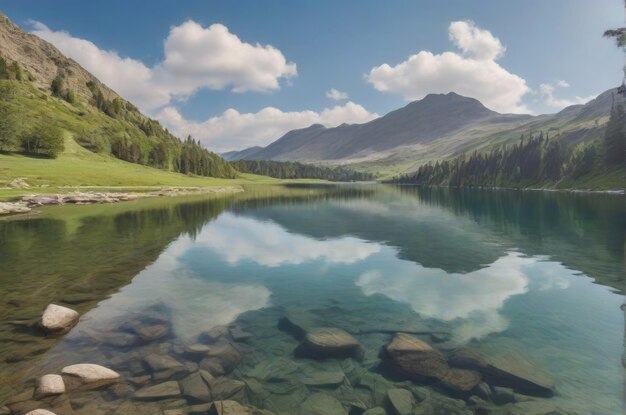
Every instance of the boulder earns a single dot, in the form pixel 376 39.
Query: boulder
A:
pixel 157 363
pixel 330 342
pixel 88 376
pixel 119 339
pixel 238 334
pixel 511 370
pixel 163 390
pixel 214 334
pixel 415 358
pixel 152 332
pixel 227 355
pixel 502 396
pixel 400 401
pixel 40 412
pixel 375 411
pixel 460 380
pixel 225 388
pixel 213 366
pixel 324 378
pixel 229 408
pixel 321 404
pixel 195 389
pixel 49 385
pixel 57 320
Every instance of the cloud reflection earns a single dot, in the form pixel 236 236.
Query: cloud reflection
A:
pixel 473 301
pixel 237 239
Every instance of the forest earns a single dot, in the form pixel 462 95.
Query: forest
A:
pixel 295 170
pixel 537 160
pixel 36 124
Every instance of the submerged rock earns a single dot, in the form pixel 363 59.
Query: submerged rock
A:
pixel 330 342
pixel 195 389
pixel 152 332
pixel 322 404
pixel 57 320
pixel 227 355
pixel 460 380
pixel 88 376
pixel 400 401
pixel 375 411
pixel 415 358
pixel 161 391
pixel 49 385
pixel 511 370
pixel 214 334
pixel 229 407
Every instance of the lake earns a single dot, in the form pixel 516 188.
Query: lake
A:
pixel 520 276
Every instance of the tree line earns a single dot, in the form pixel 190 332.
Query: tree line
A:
pixel 536 160
pixel 295 170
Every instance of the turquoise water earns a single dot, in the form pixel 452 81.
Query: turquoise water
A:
pixel 540 274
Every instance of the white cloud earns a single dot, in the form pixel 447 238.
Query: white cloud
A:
pixel 336 94
pixel 194 58
pixel 233 130
pixel 547 92
pixel 474 72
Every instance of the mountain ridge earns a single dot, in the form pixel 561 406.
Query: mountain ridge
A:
pixel 436 127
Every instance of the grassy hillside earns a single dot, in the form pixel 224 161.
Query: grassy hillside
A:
pixel 78 167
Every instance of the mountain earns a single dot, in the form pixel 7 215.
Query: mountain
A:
pixel 437 127
pixel 239 155
pixel 47 99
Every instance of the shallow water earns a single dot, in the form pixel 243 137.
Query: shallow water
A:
pixel 538 274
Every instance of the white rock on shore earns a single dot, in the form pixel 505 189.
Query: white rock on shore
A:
pixel 40 412
pixel 13 208
pixel 57 320
pixel 49 385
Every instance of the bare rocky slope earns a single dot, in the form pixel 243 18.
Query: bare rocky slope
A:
pixel 44 61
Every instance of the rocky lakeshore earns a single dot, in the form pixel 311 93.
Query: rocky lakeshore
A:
pixel 140 366
pixel 27 203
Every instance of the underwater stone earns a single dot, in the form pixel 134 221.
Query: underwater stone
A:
pixel 415 358
pixel 461 380
pixel 88 376
pixel 322 404
pixel 511 370
pixel 401 401
pixel 195 388
pixel 151 333
pixel 330 341
pixel 161 391
pixel 57 320
pixel 375 411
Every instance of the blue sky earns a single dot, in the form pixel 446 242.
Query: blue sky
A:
pixel 516 56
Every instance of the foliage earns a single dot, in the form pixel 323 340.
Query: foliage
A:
pixel 44 141
pixel 116 127
pixel 294 170
pixel 615 136
pixel 535 162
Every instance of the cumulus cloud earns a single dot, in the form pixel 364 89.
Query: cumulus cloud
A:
pixel 195 57
pixel 474 72
pixel 547 92
pixel 233 130
pixel 336 94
